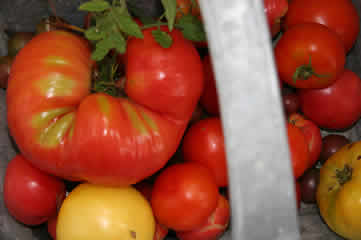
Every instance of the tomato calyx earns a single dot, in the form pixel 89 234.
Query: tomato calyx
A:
pixel 107 77
pixel 344 175
pixel 306 71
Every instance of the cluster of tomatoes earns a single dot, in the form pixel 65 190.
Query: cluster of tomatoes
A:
pixel 318 91
pixel 187 198
pixel 322 98
pixel 178 175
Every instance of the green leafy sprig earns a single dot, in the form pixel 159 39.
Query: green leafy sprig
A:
pixel 114 23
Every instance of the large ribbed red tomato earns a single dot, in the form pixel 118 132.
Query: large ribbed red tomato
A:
pixel 66 130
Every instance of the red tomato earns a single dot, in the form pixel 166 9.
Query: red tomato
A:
pixel 215 226
pixel 30 195
pixel 204 143
pixel 209 97
pixel 146 189
pixel 52 226
pixel 275 10
pixel 184 196
pixel 187 7
pixel 309 55
pixel 312 134
pixel 336 107
pixel 298 194
pixel 298 150
pixel 339 15
pixel 66 130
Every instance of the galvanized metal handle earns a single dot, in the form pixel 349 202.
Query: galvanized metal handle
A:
pixel 261 182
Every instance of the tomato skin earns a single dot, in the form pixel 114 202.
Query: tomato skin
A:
pixel 209 98
pixel 215 226
pixel 335 107
pixel 339 191
pixel 307 42
pixel 30 195
pixel 93 212
pixel 204 143
pixel 298 149
pixel 312 134
pixel 339 15
pixel 51 226
pixel 184 196
pixel 96 137
pixel 275 10
pixel 146 189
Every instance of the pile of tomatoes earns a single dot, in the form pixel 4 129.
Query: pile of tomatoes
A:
pixel 151 162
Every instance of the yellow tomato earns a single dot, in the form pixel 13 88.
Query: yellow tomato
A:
pixel 93 212
pixel 339 191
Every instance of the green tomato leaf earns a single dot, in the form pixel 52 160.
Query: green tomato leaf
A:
pixel 94 34
pixel 192 28
pixel 170 10
pixel 118 42
pixel 95 6
pixel 126 23
pixel 105 23
pixel 102 48
pixel 163 38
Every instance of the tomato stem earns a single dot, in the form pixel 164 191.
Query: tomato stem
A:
pixel 344 175
pixel 306 71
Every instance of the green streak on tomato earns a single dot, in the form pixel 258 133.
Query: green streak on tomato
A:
pixel 56 85
pixel 43 119
pixel 151 123
pixel 56 60
pixel 134 118
pixel 56 131
pixel 104 105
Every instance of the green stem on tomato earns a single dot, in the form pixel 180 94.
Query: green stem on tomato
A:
pixel 344 175
pixel 306 71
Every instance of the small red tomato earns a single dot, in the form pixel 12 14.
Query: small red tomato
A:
pixel 204 143
pixel 312 134
pixel 298 150
pixel 275 10
pixel 31 195
pixel 308 185
pixel 209 97
pixel 215 226
pixel 309 55
pixel 184 196
pixel 51 225
pixel 335 107
pixel 339 15
pixel 291 102
pixel 146 189
pixel 298 194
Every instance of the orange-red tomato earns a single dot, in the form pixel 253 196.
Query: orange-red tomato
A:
pixel 204 143
pixel 186 7
pixel 184 196
pixel 298 149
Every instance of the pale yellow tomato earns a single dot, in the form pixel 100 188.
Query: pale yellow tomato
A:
pixel 94 212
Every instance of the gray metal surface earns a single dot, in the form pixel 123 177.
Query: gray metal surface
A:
pixel 261 182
